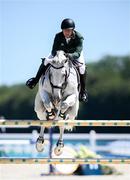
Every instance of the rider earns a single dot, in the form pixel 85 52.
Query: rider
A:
pixel 71 42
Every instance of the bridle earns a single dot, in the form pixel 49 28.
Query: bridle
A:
pixel 63 86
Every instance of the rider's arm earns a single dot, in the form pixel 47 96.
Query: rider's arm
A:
pixel 78 49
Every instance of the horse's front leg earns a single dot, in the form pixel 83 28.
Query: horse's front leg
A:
pixel 68 102
pixel 48 105
pixel 40 140
pixel 60 144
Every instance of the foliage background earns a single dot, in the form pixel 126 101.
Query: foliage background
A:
pixel 108 85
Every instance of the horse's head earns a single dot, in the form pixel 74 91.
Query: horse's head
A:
pixel 59 73
pixel 59 59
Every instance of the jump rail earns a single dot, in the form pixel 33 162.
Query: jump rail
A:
pixel 9 123
pixel 62 161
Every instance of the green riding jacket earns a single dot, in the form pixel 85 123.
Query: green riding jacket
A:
pixel 73 48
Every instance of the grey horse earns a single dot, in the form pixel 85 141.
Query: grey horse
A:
pixel 57 97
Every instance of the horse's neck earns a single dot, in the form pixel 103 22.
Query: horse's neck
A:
pixel 47 71
pixel 44 81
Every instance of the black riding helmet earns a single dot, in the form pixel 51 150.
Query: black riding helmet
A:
pixel 67 23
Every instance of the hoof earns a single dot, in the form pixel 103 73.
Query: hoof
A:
pixel 59 148
pixel 58 151
pixel 40 144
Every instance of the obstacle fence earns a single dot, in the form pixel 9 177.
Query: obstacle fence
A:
pixel 62 161
pixel 9 123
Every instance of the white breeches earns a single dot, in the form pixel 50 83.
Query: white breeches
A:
pixel 80 60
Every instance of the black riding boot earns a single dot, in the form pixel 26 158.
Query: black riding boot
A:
pixel 31 83
pixel 83 96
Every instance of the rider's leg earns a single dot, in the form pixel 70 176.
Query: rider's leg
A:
pixel 82 72
pixel 83 93
pixel 31 83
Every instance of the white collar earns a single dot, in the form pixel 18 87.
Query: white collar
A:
pixel 67 40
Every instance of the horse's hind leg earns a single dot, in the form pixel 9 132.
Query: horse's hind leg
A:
pixel 60 144
pixel 40 140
